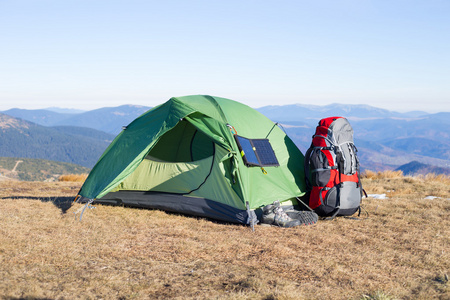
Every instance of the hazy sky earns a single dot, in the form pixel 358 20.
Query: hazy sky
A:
pixel 88 54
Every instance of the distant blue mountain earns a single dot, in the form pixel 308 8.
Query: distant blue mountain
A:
pixel 418 145
pixel 85 132
pixel 416 168
pixel 429 126
pixel 108 119
pixel 39 116
pixel 310 114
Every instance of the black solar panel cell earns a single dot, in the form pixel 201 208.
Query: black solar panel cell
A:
pixel 265 152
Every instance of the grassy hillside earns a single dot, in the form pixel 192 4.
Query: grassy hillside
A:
pixel 399 252
pixel 28 169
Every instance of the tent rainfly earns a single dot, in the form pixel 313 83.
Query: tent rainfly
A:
pixel 200 155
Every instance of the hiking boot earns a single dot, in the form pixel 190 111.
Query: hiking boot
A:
pixel 273 214
pixel 305 217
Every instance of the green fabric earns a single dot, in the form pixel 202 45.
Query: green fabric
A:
pixel 128 149
pixel 171 177
pixel 219 185
pixel 180 133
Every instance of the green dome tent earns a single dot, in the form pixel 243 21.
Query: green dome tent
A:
pixel 199 155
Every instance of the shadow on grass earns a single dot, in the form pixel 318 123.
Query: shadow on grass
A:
pixel 63 203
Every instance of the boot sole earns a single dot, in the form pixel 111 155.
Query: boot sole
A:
pixel 305 217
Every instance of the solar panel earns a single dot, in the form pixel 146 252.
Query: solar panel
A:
pixel 256 152
pixel 247 152
pixel 265 153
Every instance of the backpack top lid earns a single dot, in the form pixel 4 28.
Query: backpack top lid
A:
pixel 326 122
pixel 337 129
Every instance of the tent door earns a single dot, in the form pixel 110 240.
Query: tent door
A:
pixel 180 162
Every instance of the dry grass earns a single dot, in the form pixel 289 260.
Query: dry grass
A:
pixel 399 252
pixel 73 177
pixel 394 184
pixel 440 178
pixel 382 175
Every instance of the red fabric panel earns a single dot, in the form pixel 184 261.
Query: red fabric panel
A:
pixel 319 142
pixel 327 121
pixel 322 130
pixel 314 198
pixel 334 178
pixel 353 177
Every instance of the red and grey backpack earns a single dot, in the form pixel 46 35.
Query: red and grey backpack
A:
pixel 332 169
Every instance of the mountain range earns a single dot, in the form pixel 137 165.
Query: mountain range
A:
pixel 386 140
pixel 76 145
pixel 107 119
